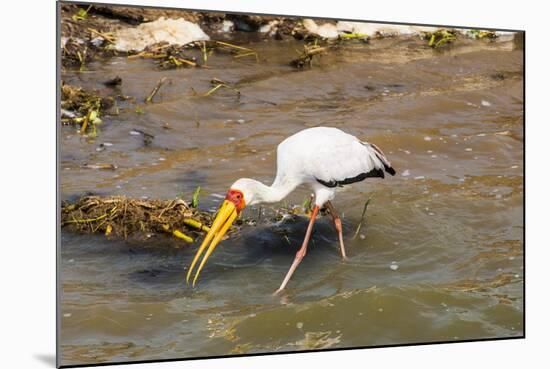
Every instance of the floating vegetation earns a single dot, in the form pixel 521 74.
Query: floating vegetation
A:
pixel 478 34
pixel 236 50
pixel 318 340
pixel 500 250
pixel 171 56
pixel 440 37
pixel 168 56
pixel 84 108
pixel 475 285
pixel 122 217
pixel 305 57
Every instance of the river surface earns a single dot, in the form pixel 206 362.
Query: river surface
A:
pixel 440 257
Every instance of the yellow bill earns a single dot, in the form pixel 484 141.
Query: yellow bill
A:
pixel 226 216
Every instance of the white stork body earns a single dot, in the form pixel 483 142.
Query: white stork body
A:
pixel 323 158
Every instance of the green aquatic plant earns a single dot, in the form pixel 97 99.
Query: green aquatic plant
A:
pixel 478 34
pixel 306 204
pixel 90 120
pixel 81 14
pixel 195 199
pixel 352 36
pixel 440 37
pixel 139 110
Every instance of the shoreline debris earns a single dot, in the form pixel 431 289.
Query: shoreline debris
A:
pixel 91 32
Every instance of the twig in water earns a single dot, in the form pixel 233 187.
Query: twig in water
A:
pixel 106 36
pixel 240 51
pixel 233 46
pixel 204 53
pixel 362 219
pixel 212 90
pixel 155 90
pixel 218 83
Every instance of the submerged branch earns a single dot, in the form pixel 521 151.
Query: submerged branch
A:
pixel 362 218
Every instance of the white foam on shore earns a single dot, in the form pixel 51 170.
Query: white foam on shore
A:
pixel 173 31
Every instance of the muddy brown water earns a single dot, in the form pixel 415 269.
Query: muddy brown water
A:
pixel 440 257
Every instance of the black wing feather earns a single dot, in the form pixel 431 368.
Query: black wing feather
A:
pixel 374 173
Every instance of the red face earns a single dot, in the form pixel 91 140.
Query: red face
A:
pixel 237 198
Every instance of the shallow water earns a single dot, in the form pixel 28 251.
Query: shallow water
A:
pixel 440 257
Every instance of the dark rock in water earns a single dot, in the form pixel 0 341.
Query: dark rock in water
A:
pixel 247 23
pixel 395 85
pixel 241 25
pixel 115 81
pixel 498 76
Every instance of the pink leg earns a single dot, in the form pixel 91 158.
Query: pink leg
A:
pixel 338 226
pixel 302 252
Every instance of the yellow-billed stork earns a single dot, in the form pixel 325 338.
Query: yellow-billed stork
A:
pixel 323 158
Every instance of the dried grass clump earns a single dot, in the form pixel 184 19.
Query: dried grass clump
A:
pixel 124 217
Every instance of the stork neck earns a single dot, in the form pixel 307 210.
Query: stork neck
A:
pixel 276 192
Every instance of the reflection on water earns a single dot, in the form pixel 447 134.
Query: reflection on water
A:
pixel 440 257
